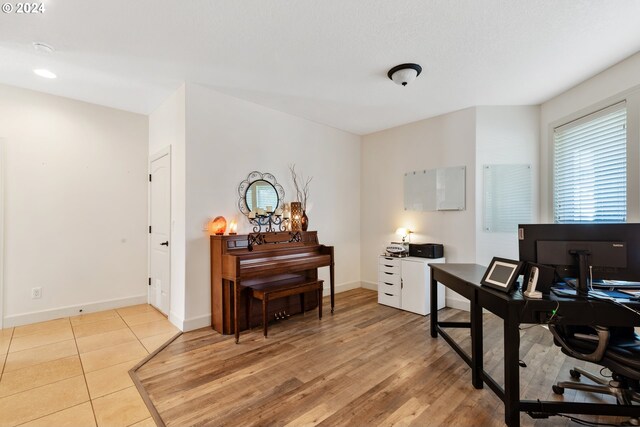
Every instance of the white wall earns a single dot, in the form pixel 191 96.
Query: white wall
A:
pixel 504 135
pixel 75 206
pixel 619 82
pixel 226 139
pixel 167 129
pixel 447 140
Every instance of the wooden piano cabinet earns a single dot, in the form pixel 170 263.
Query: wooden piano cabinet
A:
pixel 234 267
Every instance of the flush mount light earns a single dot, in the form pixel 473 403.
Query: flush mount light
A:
pixel 43 47
pixel 404 74
pixel 43 72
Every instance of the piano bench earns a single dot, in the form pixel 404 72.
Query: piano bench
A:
pixel 274 290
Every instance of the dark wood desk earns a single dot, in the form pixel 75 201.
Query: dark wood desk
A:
pixel 515 309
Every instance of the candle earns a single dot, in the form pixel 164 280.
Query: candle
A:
pixel 269 208
pixel 252 215
pixel 286 215
pixel 260 212
pixel 233 227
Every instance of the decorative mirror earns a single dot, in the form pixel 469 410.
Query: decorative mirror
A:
pixel 260 193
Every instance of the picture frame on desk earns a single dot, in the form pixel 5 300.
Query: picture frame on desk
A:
pixel 502 274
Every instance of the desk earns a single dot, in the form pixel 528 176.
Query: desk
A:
pixel 515 309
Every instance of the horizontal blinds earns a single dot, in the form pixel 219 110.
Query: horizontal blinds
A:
pixel 590 168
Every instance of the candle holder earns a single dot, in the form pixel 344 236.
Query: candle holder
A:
pixel 296 216
pixel 269 222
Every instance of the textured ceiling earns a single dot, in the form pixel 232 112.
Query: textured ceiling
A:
pixel 325 60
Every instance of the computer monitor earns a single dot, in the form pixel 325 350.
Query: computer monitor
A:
pixel 604 251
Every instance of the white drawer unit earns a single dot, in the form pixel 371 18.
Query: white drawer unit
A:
pixel 389 281
pixel 405 283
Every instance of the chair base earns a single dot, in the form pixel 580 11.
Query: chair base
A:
pixel 616 387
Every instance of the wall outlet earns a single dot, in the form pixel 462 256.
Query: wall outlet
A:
pixel 36 293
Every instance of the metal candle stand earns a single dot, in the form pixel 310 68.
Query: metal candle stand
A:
pixel 271 222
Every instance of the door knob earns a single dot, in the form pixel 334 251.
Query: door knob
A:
pixel 164 243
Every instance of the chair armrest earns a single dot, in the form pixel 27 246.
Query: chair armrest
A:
pixel 598 353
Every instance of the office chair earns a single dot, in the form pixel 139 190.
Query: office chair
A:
pixel 616 348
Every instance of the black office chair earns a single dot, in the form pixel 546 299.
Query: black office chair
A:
pixel 617 349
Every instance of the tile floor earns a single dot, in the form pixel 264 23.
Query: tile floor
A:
pixel 74 371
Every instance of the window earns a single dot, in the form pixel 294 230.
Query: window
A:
pixel 590 168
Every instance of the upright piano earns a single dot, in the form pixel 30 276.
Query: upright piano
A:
pixel 238 261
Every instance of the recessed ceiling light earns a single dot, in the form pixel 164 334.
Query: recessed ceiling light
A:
pixel 43 47
pixel 42 72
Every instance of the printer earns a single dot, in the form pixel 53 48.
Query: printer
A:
pixel 426 250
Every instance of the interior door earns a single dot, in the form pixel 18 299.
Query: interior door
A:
pixel 160 233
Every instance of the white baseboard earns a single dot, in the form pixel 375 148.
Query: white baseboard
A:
pixel 370 285
pixel 342 287
pixel 460 304
pixel 176 321
pixel 196 323
pixel 205 319
pixel 72 310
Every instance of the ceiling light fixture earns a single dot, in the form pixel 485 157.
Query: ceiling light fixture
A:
pixel 43 72
pixel 404 74
pixel 43 47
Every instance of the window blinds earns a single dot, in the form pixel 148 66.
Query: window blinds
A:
pixel 590 168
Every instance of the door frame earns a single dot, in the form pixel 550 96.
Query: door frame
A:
pixel 159 154
pixel 2 209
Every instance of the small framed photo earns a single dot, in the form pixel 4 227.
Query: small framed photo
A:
pixel 502 274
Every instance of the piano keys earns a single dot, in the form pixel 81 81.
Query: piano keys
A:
pixel 235 264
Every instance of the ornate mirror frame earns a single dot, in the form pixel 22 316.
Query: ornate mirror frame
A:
pixel 253 177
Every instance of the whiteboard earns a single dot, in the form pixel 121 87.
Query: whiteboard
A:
pixel 507 197
pixel 439 189
pixel 451 189
pixel 420 190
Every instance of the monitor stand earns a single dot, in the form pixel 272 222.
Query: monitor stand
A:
pixel 583 268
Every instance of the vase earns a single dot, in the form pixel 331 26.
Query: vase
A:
pixel 305 221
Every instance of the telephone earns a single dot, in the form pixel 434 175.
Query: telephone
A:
pixel 531 284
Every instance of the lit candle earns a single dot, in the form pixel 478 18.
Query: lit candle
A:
pixel 233 227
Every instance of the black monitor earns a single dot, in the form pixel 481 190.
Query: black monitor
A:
pixel 606 251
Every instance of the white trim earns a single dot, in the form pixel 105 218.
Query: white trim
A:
pixel 72 310
pixel 178 322
pixel 2 208
pixel 161 153
pixel 205 320
pixel 342 287
pixel 369 285
pixel 460 304
pixel 196 323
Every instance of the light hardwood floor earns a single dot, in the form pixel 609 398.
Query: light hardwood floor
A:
pixel 74 371
pixel 366 365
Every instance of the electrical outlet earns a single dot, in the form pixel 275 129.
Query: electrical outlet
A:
pixel 36 293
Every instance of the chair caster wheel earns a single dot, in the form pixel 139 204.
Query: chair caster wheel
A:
pixel 574 374
pixel 557 389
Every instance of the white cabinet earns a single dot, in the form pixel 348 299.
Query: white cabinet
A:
pixel 405 283
pixel 389 281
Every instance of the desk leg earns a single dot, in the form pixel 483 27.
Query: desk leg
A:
pixel 236 313
pixel 511 368
pixel 434 306
pixel 477 356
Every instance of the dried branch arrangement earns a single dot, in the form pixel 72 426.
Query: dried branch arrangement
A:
pixel 301 185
